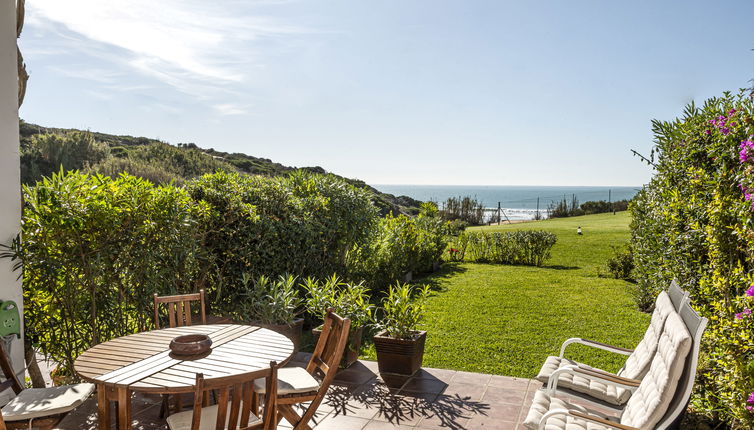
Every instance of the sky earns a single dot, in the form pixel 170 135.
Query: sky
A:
pixel 391 91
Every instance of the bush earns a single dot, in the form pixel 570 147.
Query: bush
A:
pixel 466 209
pixel 304 225
pixel 694 221
pixel 349 300
pixel 527 247
pixel 268 301
pixel 94 251
pixel 399 245
pixel 621 264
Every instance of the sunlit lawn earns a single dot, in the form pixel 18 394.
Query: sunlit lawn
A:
pixel 507 319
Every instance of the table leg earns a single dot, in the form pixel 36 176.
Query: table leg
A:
pixel 124 408
pixel 103 408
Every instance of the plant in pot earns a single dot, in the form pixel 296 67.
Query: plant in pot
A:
pixel 274 304
pixel 400 346
pixel 349 301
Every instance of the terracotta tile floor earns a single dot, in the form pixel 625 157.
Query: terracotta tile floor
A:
pixel 362 399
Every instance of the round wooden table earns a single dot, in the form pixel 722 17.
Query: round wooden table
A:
pixel 143 362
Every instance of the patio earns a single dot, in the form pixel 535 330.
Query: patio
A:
pixel 361 399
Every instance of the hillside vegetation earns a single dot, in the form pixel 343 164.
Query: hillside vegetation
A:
pixel 45 150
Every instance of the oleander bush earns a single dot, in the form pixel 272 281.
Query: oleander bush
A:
pixel 398 245
pixel 527 247
pixel 303 224
pixel 694 221
pixel 94 251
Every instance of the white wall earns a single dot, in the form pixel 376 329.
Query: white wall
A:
pixel 10 173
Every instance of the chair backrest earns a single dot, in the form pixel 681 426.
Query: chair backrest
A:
pixel 637 364
pixel 696 325
pixel 652 400
pixel 677 295
pixel 179 308
pixel 329 349
pixel 234 400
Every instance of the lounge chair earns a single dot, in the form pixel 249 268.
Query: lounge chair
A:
pixel 636 366
pixel 658 402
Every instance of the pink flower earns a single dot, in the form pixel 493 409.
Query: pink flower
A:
pixel 708 132
pixel 747 311
pixel 750 291
pixel 750 408
pixel 731 112
pixel 739 316
pixel 751 398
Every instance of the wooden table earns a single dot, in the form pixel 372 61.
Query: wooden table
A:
pixel 143 362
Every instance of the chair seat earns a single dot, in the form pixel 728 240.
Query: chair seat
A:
pixel 543 403
pixel 290 380
pixel 182 420
pixel 582 384
pixel 45 402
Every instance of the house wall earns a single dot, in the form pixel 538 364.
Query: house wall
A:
pixel 10 171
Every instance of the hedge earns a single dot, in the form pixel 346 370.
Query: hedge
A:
pixel 694 221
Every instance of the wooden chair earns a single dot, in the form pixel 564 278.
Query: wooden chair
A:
pixel 179 315
pixel 234 407
pixel 41 408
pixel 179 308
pixel 298 385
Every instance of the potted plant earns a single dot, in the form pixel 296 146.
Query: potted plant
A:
pixel 274 304
pixel 349 301
pixel 400 346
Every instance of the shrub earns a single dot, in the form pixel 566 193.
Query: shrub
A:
pixel 348 300
pixel 268 301
pixel 467 209
pixel 621 264
pixel 399 245
pixel 694 221
pixel 303 224
pixel 94 251
pixel 527 247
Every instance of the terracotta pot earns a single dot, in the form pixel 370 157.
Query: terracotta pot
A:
pixel 351 353
pixel 400 356
pixel 291 331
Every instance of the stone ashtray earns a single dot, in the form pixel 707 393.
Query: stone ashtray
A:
pixel 190 344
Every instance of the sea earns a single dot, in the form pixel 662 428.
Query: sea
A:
pixel 518 202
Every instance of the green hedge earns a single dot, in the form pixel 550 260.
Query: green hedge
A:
pixel 94 250
pixel 303 224
pixel 695 222
pixel 527 247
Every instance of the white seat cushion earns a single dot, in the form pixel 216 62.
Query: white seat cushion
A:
pixel 651 400
pixel 637 364
pixel 182 420
pixel 45 402
pixel 290 380
pixel 543 403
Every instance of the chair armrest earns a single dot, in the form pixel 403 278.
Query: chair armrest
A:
pixel 608 378
pixel 583 416
pixel 594 344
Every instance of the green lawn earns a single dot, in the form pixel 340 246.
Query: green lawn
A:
pixel 507 319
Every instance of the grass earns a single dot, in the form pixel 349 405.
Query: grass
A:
pixel 506 320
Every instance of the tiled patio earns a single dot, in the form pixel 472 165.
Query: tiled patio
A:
pixel 361 399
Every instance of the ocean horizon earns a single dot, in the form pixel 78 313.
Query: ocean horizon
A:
pixel 519 201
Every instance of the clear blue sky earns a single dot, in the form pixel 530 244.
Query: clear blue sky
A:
pixel 391 91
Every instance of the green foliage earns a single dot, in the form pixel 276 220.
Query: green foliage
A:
pixel 402 310
pixel 94 251
pixel 268 301
pixel 467 209
pixel 693 222
pixel 304 224
pixel 621 264
pixel 527 247
pixel 399 245
pixel 46 154
pixel 348 300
